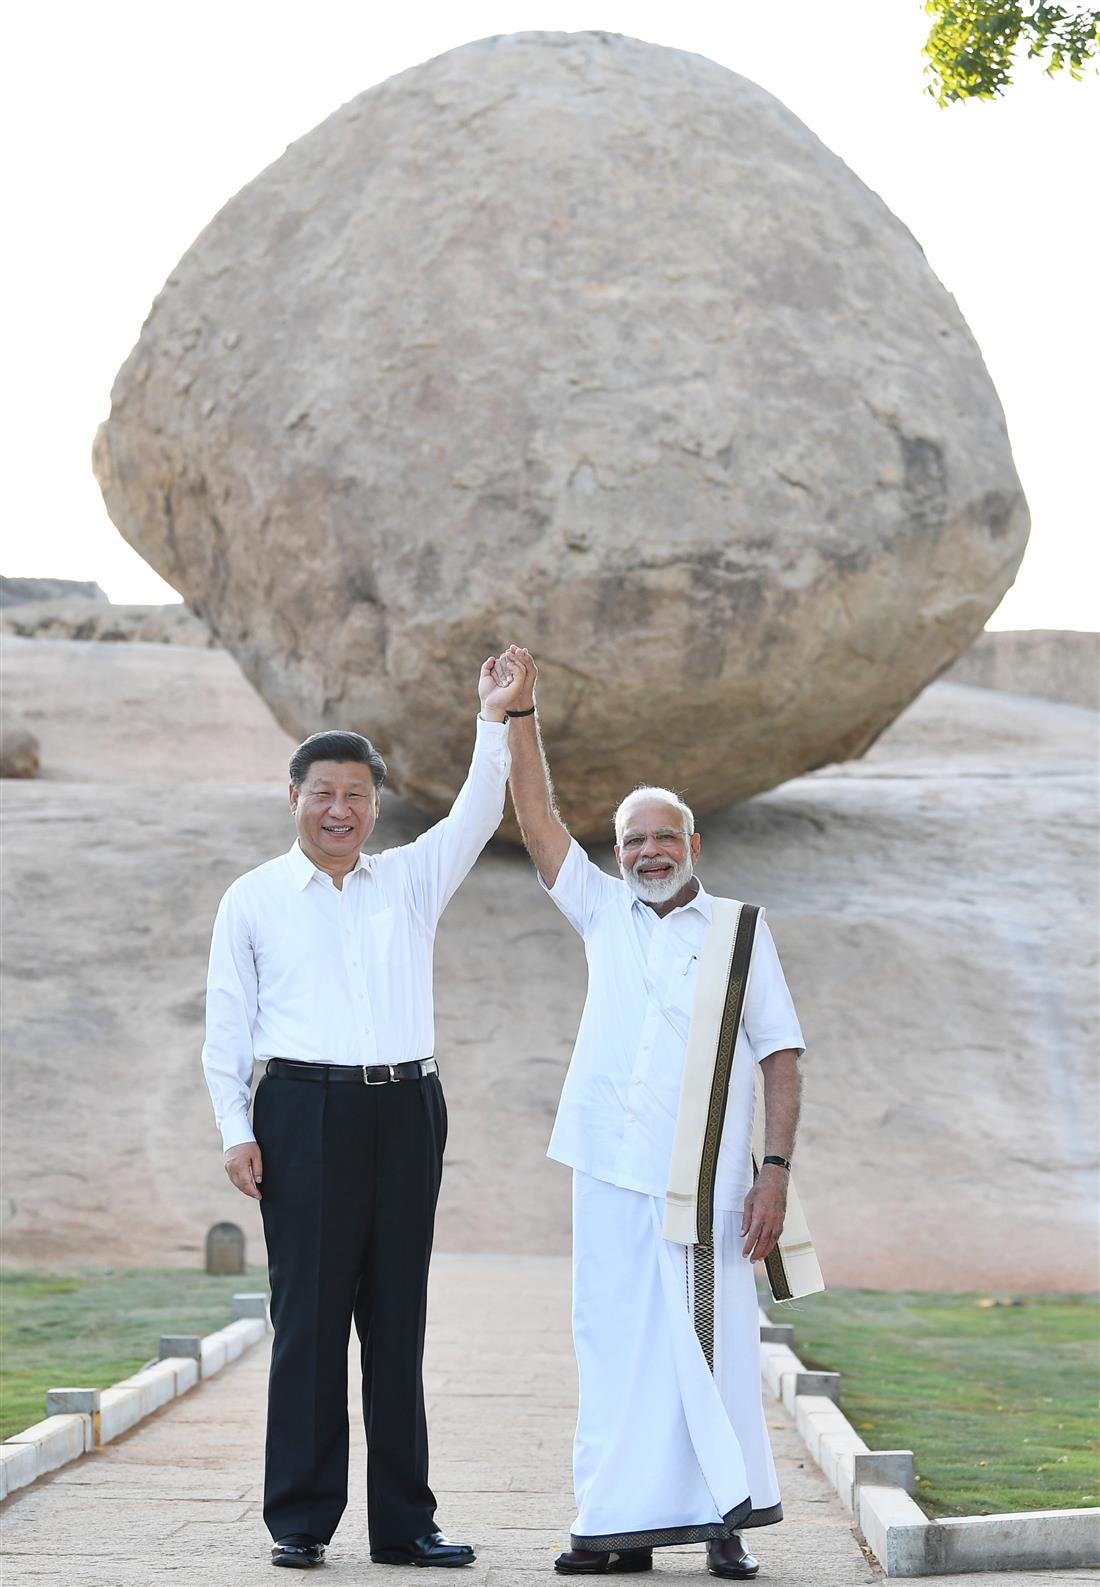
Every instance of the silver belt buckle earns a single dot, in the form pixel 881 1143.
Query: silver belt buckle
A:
pixel 384 1082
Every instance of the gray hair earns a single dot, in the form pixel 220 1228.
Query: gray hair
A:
pixel 665 796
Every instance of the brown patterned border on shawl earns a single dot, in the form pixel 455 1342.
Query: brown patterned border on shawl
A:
pixel 723 1068
pixel 775 1265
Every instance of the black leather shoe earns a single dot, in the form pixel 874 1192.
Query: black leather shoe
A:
pixel 731 1559
pixel 298 1551
pixel 587 1562
pixel 431 1549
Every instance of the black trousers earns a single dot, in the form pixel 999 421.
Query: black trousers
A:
pixel 350 1181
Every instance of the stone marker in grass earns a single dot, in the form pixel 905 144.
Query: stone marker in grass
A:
pixel 225 1248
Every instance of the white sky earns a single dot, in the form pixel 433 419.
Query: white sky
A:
pixel 129 124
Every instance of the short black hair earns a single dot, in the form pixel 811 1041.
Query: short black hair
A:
pixel 338 745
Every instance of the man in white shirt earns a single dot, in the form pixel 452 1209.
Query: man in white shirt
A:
pixel 321 964
pixel 671 1444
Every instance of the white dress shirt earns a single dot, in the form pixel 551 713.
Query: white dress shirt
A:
pixel 617 1114
pixel 301 968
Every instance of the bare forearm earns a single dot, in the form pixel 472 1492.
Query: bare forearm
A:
pixel 545 837
pixel 766 1202
pixel 782 1102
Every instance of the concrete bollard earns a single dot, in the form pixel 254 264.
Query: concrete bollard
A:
pixel 797 1382
pixel 886 1468
pixel 777 1333
pixel 61 1402
pixel 254 1305
pixel 824 1383
pixel 180 1345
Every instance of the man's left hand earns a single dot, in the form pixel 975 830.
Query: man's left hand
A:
pixel 500 685
pixel 765 1211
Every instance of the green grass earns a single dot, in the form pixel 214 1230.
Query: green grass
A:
pixel 997 1402
pixel 88 1328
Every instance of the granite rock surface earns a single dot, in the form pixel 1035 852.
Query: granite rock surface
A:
pixel 934 905
pixel 589 344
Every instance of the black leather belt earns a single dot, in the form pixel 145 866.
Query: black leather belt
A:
pixel 360 1074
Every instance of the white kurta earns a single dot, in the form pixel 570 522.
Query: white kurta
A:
pixel 667 1451
pixel 617 1115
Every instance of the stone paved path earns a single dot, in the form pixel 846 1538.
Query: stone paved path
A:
pixel 179 1499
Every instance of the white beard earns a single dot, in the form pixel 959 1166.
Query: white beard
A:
pixel 652 890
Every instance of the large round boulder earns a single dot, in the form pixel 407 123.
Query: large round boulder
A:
pixel 589 344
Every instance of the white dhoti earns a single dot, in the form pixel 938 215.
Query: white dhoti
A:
pixel 670 1447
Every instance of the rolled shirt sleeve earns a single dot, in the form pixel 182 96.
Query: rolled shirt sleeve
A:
pixel 441 857
pixel 771 1023
pixel 232 995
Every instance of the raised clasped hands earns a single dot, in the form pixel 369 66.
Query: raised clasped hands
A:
pixel 519 658
pixel 507 683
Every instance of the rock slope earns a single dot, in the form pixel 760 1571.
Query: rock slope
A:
pixel 935 906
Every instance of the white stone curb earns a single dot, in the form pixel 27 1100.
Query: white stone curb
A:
pixel 44 1447
pixel 71 1433
pixel 876 1486
pixel 228 1343
pixel 18 1466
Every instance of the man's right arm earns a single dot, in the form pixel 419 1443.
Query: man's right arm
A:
pixel 232 996
pixel 545 837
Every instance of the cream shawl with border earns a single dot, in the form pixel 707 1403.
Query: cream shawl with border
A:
pixel 708 1067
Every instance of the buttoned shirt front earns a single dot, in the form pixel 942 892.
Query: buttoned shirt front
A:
pixel 301 968
pixel 617 1115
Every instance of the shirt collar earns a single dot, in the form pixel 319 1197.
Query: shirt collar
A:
pixel 303 870
pixel 702 902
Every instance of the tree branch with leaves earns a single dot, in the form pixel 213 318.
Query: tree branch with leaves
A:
pixel 973 44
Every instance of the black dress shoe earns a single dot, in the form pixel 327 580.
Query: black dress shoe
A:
pixel 587 1562
pixel 298 1551
pixel 431 1549
pixel 731 1559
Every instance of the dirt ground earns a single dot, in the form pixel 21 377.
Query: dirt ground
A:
pixel 935 906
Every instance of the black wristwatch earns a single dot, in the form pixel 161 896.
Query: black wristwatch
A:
pixel 780 1162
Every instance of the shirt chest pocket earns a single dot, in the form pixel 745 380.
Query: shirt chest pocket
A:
pixel 680 986
pixel 388 937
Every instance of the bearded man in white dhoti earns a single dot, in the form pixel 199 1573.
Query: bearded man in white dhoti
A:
pixel 677 1188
